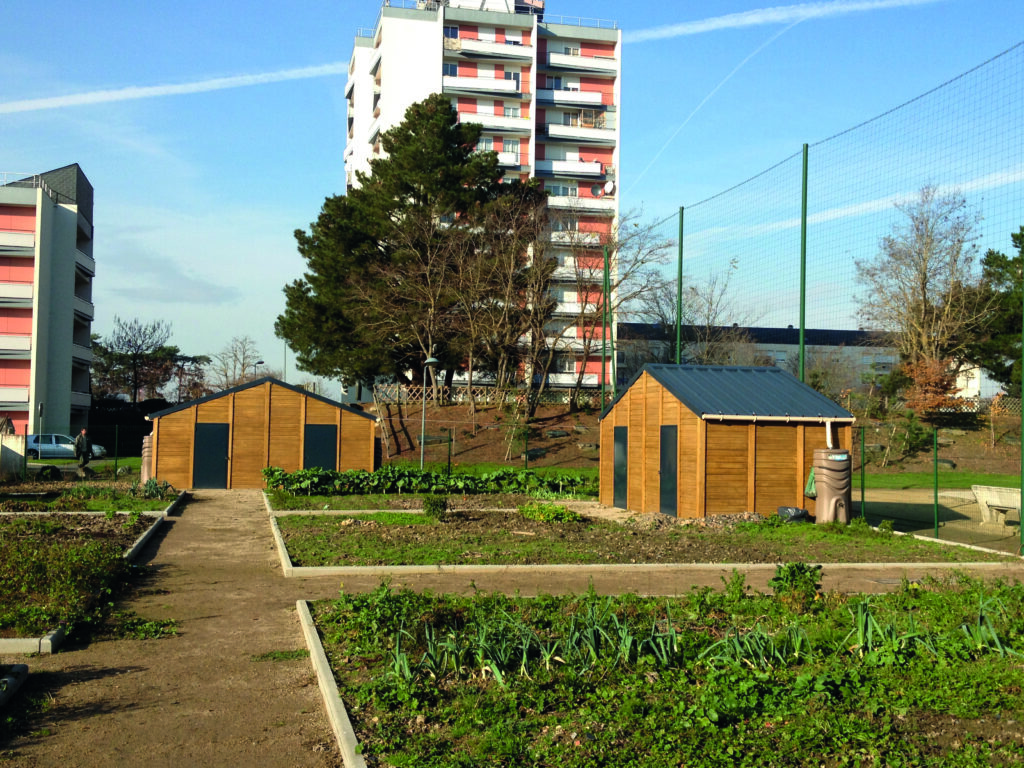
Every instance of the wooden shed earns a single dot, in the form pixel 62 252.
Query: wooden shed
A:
pixel 694 440
pixel 225 440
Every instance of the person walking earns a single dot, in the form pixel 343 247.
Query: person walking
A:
pixel 83 449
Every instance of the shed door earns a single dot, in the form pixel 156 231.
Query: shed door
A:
pixel 210 457
pixel 669 469
pixel 620 484
pixel 320 448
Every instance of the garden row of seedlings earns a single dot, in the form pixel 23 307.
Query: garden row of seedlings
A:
pixel 506 646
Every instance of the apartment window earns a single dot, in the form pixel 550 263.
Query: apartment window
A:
pixel 565 224
pixel 562 190
pixel 513 76
pixel 565 364
pixel 571 50
pixel 452 32
pixel 510 146
pixel 571 118
pixel 513 111
pixel 485 144
pixel 450 69
pixel 554 83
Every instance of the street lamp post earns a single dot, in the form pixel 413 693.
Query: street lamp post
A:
pixel 256 367
pixel 429 363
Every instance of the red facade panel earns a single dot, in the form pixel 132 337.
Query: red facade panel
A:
pixel 17 218
pixel 15 373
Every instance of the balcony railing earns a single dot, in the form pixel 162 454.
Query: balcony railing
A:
pixel 81 352
pixel 15 342
pixel 587 204
pixel 84 308
pixel 13 394
pixel 487 84
pixel 497 122
pixel 81 399
pixel 509 159
pixel 587 98
pixel 86 262
pixel 570 167
pixel 18 239
pixel 601 64
pixel 579 133
pixel 574 237
pixel 489 48
pixel 16 291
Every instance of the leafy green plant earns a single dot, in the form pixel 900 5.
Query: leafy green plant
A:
pixel 797 584
pixel 549 513
pixel 129 625
pixel 298 653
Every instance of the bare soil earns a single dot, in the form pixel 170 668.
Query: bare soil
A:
pixel 472 536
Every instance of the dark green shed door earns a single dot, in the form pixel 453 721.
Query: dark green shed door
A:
pixel 320 447
pixel 620 483
pixel 210 456
pixel 668 469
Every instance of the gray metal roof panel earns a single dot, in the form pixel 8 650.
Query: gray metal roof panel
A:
pixel 748 392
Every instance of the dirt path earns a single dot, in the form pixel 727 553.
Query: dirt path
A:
pixel 201 700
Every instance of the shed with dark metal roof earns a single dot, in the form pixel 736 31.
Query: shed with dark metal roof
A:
pixel 226 439
pixel 699 440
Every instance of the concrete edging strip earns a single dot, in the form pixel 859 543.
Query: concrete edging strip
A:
pixel 348 744
pixel 282 549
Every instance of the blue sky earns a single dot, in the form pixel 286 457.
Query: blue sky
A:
pixel 211 131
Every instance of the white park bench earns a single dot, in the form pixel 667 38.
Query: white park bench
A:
pixel 995 502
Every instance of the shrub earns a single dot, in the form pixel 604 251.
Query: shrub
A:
pixel 435 506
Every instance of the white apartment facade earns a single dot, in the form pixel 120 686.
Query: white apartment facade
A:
pixel 547 91
pixel 46 309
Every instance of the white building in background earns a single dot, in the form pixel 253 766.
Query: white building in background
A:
pixel 46 310
pixel 546 90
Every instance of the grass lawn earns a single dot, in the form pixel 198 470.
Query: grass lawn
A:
pixel 926 676
pixel 947 479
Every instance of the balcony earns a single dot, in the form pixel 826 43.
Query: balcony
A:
pixel 15 342
pixel 575 98
pixel 17 240
pixel 84 308
pixel 569 167
pixel 583 204
pixel 13 395
pixel 488 49
pixel 479 85
pixel 79 352
pixel 497 122
pixel 576 308
pixel 576 238
pixel 509 159
pixel 81 399
pixel 349 86
pixel 590 64
pixel 86 262
pixel 580 133
pixel 16 292
pixel 569 379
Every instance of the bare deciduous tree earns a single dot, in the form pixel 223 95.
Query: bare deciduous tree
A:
pixel 922 287
pixel 235 364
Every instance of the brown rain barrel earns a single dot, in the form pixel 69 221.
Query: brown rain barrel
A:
pixel 832 471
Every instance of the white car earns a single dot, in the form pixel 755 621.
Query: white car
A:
pixel 54 446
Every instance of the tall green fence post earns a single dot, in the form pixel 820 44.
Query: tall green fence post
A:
pixel 679 294
pixel 117 450
pixel 863 471
pixel 803 263
pixel 935 472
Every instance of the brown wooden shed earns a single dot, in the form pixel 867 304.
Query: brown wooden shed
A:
pixel 225 440
pixel 696 440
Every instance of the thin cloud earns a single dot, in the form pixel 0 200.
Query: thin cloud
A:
pixel 131 93
pixel 783 14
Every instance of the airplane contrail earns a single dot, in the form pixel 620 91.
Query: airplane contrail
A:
pixel 130 93
pixel 783 14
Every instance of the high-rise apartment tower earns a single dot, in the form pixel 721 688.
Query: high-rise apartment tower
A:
pixel 546 90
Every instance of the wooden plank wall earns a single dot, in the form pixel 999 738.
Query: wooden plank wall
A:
pixel 249 437
pixel 726 468
pixel 173 440
pixel 267 428
pixel 775 468
pixel 285 449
